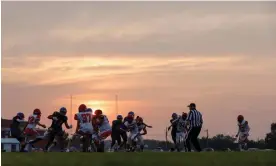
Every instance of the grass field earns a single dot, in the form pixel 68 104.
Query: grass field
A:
pixel 140 159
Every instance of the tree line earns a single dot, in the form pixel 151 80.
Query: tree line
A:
pixel 222 142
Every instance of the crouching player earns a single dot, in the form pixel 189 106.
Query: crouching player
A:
pixel 84 125
pixel 102 129
pixel 141 127
pixel 55 130
pixel 243 132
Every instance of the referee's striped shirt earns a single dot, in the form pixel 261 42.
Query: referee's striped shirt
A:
pixel 195 118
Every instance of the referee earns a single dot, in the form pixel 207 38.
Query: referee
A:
pixel 195 121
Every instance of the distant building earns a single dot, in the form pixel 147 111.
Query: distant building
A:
pixel 10 145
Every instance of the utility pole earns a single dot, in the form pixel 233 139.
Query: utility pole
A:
pixel 207 132
pixel 71 108
pixel 71 111
pixel 166 134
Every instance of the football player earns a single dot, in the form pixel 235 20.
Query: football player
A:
pixel 30 129
pixel 141 127
pixel 131 126
pixel 173 125
pixel 84 125
pixel 55 130
pixel 102 128
pixel 15 129
pixel 243 132
pixel 116 132
pixel 181 130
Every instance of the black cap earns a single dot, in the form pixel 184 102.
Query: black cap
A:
pixel 192 105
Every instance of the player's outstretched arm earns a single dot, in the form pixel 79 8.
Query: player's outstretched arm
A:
pixel 144 131
pixel 147 125
pixel 19 120
pixel 123 128
pixel 42 125
pixel 67 126
pixel 238 133
pixel 50 117
pixel 78 127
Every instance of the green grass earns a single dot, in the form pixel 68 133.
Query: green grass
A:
pixel 140 159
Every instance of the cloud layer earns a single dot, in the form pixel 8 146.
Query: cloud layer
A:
pixel 157 56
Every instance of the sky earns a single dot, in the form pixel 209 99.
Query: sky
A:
pixel 156 56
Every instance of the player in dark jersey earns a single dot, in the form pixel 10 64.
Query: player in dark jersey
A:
pixel 55 130
pixel 16 132
pixel 173 125
pixel 116 132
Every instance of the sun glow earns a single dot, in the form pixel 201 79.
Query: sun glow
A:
pixel 96 104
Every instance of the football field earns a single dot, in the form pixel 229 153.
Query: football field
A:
pixel 140 159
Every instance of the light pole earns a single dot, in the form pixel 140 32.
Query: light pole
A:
pixel 71 111
pixel 207 132
pixel 166 135
pixel 71 108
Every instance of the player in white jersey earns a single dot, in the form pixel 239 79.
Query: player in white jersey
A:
pixel 84 119
pixel 181 130
pixel 243 132
pixel 84 127
pixel 30 129
pixel 102 123
pixel 33 120
pixel 130 125
pixel 141 127
pixel 102 129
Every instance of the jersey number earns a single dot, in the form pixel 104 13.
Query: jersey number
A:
pixel 86 118
pixel 31 120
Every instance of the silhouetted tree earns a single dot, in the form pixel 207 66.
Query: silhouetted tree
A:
pixel 270 138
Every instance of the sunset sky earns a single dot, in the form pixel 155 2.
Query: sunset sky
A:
pixel 156 56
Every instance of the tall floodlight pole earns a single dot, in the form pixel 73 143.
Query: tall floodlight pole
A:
pixel 207 132
pixel 71 109
pixel 166 135
pixel 70 117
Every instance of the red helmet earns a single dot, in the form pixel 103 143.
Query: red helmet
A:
pixel 82 108
pixel 98 112
pixel 240 118
pixel 184 114
pixel 37 111
pixel 129 118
